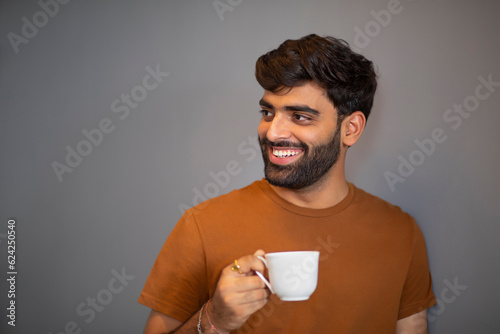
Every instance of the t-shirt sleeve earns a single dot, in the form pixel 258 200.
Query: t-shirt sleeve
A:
pixel 417 291
pixel 177 283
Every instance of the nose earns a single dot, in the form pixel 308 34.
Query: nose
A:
pixel 278 129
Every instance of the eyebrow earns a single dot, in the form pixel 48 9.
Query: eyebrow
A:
pixel 300 107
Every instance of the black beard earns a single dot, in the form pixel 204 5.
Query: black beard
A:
pixel 309 169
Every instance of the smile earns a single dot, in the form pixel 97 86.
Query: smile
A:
pixel 285 153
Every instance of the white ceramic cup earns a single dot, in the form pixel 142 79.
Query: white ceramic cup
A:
pixel 293 276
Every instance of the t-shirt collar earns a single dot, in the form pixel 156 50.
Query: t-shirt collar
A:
pixel 268 190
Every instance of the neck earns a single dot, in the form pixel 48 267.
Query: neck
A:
pixel 325 193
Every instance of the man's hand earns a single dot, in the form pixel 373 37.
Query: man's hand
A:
pixel 238 295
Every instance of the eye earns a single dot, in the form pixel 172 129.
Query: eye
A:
pixel 266 114
pixel 301 118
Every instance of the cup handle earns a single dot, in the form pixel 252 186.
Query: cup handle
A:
pixel 266 282
pixel 263 259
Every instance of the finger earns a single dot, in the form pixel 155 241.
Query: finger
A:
pixel 244 283
pixel 253 282
pixel 260 255
pixel 234 269
pixel 250 263
pixel 253 296
pixel 259 252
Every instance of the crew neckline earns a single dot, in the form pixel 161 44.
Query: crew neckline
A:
pixel 333 210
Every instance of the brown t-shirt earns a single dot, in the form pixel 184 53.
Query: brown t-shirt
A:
pixel 373 267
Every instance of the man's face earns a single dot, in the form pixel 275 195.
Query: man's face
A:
pixel 299 136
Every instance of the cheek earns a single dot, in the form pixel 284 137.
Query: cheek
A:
pixel 319 135
pixel 262 129
pixel 313 138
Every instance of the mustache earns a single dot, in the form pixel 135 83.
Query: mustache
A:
pixel 284 143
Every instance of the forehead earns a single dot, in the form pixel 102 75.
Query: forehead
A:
pixel 308 94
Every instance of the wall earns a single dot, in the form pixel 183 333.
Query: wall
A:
pixel 76 79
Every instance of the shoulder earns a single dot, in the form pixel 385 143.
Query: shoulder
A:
pixel 233 200
pixel 375 203
pixel 389 224
pixel 380 211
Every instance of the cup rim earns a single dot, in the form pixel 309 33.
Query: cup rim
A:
pixel 291 253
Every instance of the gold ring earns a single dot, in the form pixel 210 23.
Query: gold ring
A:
pixel 236 267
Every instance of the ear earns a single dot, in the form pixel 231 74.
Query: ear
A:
pixel 352 128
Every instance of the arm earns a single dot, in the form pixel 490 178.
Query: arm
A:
pixel 414 324
pixel 160 323
pixel 417 295
pixel 236 298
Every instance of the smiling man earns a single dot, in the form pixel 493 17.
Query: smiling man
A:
pixel 373 272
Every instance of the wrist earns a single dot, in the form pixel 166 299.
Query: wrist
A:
pixel 213 328
pixel 205 325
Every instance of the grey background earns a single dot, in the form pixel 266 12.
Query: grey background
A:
pixel 116 208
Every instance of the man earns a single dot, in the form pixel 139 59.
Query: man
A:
pixel 373 270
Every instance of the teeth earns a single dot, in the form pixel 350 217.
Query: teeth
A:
pixel 284 153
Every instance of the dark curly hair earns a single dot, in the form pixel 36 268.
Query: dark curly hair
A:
pixel 348 77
